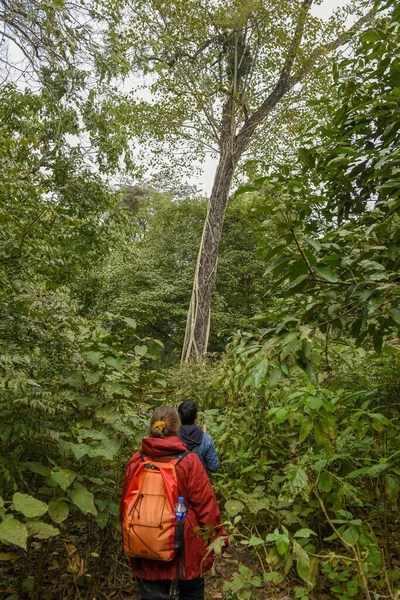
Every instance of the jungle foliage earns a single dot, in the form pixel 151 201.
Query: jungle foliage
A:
pixel 301 394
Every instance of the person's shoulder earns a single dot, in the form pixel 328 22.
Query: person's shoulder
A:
pixel 208 439
pixel 192 460
pixel 134 458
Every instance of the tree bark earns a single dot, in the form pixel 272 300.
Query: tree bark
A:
pixel 198 319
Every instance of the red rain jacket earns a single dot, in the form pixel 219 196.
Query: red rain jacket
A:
pixel 194 485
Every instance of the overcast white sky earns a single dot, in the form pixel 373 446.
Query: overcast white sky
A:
pixel 323 11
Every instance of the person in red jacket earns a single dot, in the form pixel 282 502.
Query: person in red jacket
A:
pixel 203 516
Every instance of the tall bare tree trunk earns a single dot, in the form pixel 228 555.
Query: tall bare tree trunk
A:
pixel 233 144
pixel 198 319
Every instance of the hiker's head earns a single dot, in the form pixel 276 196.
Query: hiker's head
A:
pixel 187 412
pixel 164 422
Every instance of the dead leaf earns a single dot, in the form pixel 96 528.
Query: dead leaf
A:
pixel 71 549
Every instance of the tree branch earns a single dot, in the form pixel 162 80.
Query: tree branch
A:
pixel 287 82
pixel 333 45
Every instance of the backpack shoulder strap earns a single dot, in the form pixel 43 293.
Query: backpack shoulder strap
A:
pixel 182 455
pixel 179 456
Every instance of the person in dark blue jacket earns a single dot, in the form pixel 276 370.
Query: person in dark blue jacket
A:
pixel 197 440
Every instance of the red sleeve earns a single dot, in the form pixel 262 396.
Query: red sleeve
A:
pixel 200 493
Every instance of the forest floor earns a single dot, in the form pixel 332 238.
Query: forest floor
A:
pixel 62 573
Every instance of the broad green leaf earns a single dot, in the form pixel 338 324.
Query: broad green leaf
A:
pixel 351 535
pixel 234 507
pixel 93 377
pixel 41 531
pixel 307 425
pixel 37 467
pixel 79 450
pixel 395 314
pixel 141 350
pixel 13 532
pixel 114 363
pixel 83 499
pixel 300 479
pixel 28 505
pixel 325 481
pixel 58 510
pixel 298 280
pixel 326 272
pixel 314 402
pixel 304 533
pixel 255 541
pixel 73 378
pixel 302 559
pixel 94 357
pixel 63 477
pixel 275 378
pixel 274 577
pixel 259 371
pixel 320 435
pixel 376 469
pixel 282 543
pixel 130 322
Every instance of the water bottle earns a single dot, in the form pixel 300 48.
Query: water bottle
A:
pixel 180 509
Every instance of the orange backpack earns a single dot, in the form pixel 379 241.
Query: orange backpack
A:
pixel 149 525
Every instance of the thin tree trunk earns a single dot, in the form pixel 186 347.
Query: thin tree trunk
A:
pixel 198 319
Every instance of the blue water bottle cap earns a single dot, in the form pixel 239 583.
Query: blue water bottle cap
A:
pixel 181 499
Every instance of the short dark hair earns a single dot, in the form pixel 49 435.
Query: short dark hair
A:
pixel 188 412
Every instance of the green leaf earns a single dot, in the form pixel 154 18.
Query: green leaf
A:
pixel 114 363
pixel 234 507
pixel 63 477
pixel 304 533
pixel 395 314
pixel 302 559
pixel 326 273
pixel 314 402
pixel 320 435
pixel 73 378
pixel 314 243
pixel 298 280
pixel 300 479
pixel 141 350
pixel 325 481
pixel 259 371
pixel 37 467
pixel 130 322
pixel 13 532
pixel 93 377
pixel 306 426
pixel 79 450
pixel 274 577
pixel 275 378
pixel 41 531
pixel 94 357
pixel 28 505
pixel 282 543
pixel 83 499
pixel 280 262
pixel 307 157
pixel 58 510
pixel 255 541
pixel 351 535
